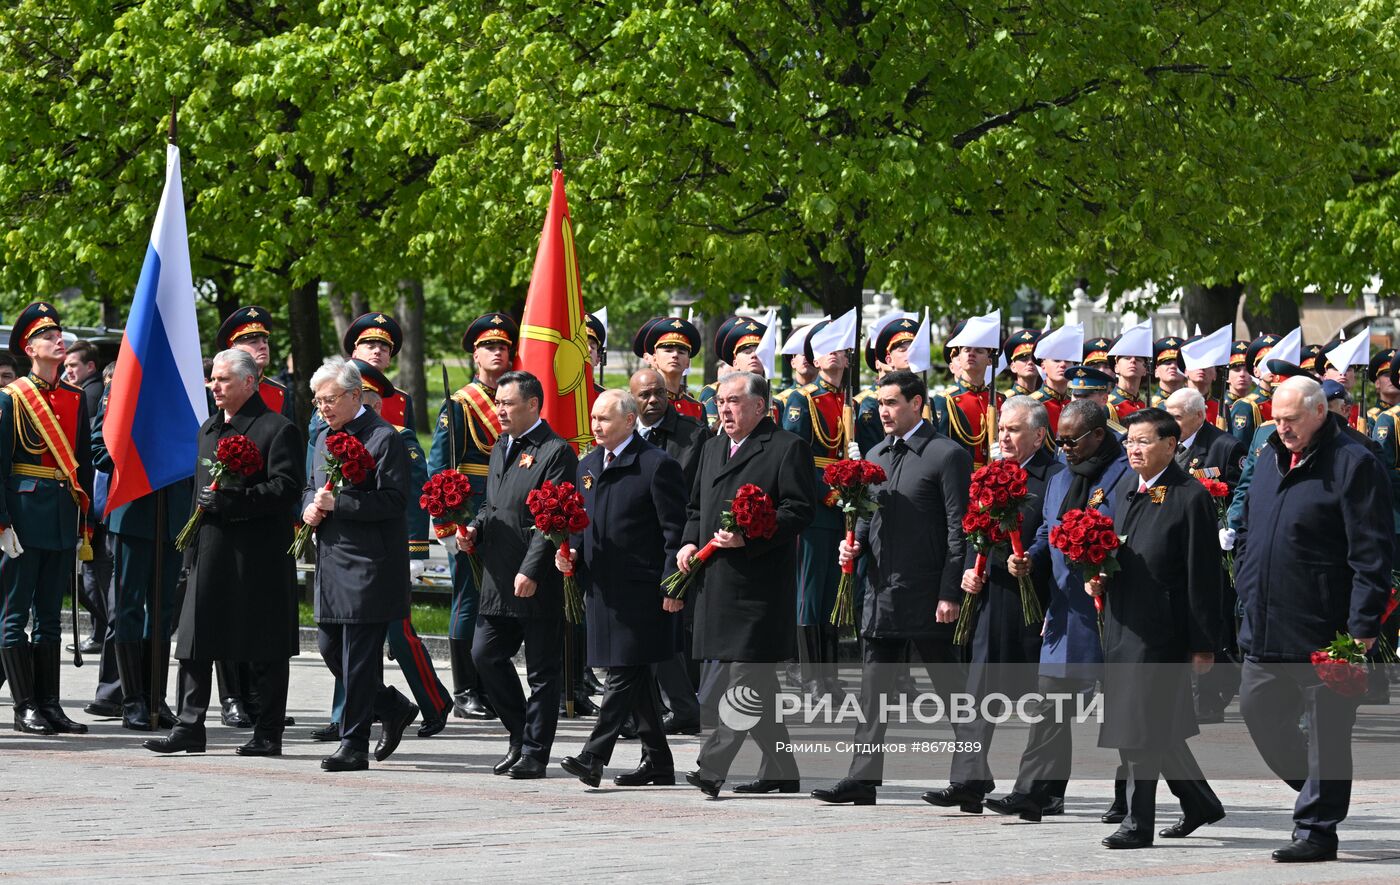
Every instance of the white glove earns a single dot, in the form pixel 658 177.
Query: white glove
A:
pixel 9 543
pixel 853 450
pixel 415 569
pixel 994 454
pixel 1227 539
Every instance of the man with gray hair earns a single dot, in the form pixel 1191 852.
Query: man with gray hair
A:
pixel 240 596
pixel 1205 450
pixel 1313 561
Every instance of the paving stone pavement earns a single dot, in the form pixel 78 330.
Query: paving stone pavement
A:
pixel 99 806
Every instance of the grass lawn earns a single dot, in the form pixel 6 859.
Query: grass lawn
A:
pixel 428 619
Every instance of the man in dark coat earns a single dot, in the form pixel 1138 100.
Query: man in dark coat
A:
pixel 636 508
pixel 660 424
pixel 747 613
pixel 1162 608
pixel 1070 654
pixel 522 593
pixel 240 596
pixel 914 548
pixel 1314 559
pixel 361 578
pixel 1005 651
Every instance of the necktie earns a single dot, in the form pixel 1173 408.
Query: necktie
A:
pixel 511 451
pixel 1142 487
pixel 898 449
pixel 733 447
pixel 608 459
pixel 1293 462
pixel 646 434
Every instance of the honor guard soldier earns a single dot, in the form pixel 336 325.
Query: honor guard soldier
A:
pixel 404 644
pixel 888 352
pixel 1130 373
pixel 1203 382
pixel 1092 384
pixel 1020 355
pixel 1053 394
pixel 1096 355
pixel 248 328
pixel 816 415
pixel 1387 423
pixel 803 372
pixel 1307 358
pixel 736 345
pixel 377 338
pixel 466 432
pixel 1168 367
pixel 1238 381
pixel 1389 395
pixel 668 344
pixel 1254 408
pixel 1343 375
pixel 962 413
pixel 46 476
pixel 597 349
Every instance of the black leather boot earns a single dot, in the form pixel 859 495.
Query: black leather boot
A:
pixel 136 715
pixel 19 670
pixel 46 689
pixel 166 718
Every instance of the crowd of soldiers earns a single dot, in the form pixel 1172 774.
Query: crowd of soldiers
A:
pixel 1080 430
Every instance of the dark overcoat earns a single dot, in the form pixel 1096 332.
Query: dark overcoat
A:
pixel 362 545
pixel 680 436
pixel 1215 449
pixel 1162 606
pixel 1314 555
pixel 507 543
pixel 914 545
pixel 240 599
pixel 636 512
pixel 748 610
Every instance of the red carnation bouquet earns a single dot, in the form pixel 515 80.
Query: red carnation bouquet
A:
pixel 1342 666
pixel 993 518
pixel 347 461
pixel 751 512
pixel 850 482
pixel 1384 652
pixel 1087 540
pixel 558 512
pixel 447 497
pixel 235 458
pixel 1220 496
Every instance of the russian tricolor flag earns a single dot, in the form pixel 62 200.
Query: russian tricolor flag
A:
pixel 158 400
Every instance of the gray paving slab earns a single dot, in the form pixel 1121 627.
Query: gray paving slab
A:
pixel 98 806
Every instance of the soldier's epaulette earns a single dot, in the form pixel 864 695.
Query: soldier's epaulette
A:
pixel 273 381
pixel 863 394
pixel 1393 411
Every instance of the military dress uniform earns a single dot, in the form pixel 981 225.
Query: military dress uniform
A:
pixel 1021 345
pixel 815 414
pixel 1255 407
pixel 463 439
pixel 671 330
pixel 869 431
pixel 254 320
pixel 733 335
pixel 46 476
pixel 1054 403
pixel 1380 365
pixel 1166 349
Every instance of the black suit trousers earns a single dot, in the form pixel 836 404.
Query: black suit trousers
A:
pixel 724 742
pixel 630 691
pixel 879 676
pixel 531 722
pixel 196 680
pixel 354 653
pixel 1184 778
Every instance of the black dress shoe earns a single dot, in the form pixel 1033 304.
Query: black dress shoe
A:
pixel 511 757
pixel 1303 851
pixel 431 727
pixel 646 773
pixel 232 714
pixel 104 710
pixel 136 716
pixel 1023 806
pixel 59 720
pixel 1115 813
pixel 1210 716
pixel 90 646
pixel 676 726
pixel 708 787
pixel 470 704
pixel 965 799
pixel 583 704
pixel 331 732
pixel 585 768
pixel 527 769
pixel 166 720
pixel 29 720
pixel 1127 839
pixel 628 731
pixel 176 742
pixel 768 786
pixel 847 789
pixel 395 724
pixel 1188 824
pixel 346 759
pixel 260 747
pixel 1053 806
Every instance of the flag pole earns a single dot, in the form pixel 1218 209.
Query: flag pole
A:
pixel 569 629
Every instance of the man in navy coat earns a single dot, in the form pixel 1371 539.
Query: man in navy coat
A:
pixel 1313 559
pixel 636 504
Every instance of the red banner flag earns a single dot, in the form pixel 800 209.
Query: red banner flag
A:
pixel 553 334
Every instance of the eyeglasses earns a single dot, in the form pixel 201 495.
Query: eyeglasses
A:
pixel 1140 443
pixel 1071 443
pixel 325 402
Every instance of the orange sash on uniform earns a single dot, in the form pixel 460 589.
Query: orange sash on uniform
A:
pixel 484 408
pixel 24 392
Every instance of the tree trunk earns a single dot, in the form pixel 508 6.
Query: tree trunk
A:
pixel 411 357
pixel 1211 307
pixel 340 315
pixel 305 326
pixel 709 366
pixel 1279 316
